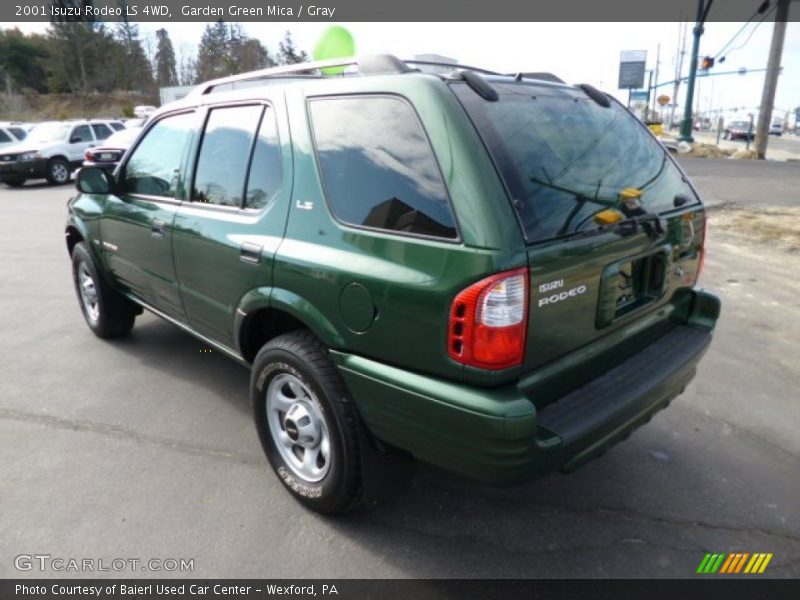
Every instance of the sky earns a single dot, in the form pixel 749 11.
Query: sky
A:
pixel 576 52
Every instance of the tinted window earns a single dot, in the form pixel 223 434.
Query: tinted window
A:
pixel 20 133
pixel 378 167
pixel 224 154
pixel 117 126
pixel 154 167
pixel 565 158
pixel 82 133
pixel 4 137
pixel 101 131
pixel 265 168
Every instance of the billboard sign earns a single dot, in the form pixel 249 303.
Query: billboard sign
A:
pixel 631 69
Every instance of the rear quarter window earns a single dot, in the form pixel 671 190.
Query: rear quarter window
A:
pixel 377 166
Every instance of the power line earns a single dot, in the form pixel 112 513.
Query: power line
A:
pixel 764 9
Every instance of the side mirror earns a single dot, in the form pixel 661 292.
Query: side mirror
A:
pixel 94 180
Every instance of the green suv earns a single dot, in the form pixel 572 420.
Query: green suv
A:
pixel 494 274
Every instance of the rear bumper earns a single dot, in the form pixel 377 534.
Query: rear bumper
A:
pixel 497 435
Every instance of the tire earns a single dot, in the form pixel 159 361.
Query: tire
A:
pixel 302 409
pixel 108 313
pixel 58 172
pixel 14 182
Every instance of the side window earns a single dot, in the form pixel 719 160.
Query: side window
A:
pixel 378 167
pixel 81 133
pixel 224 154
pixel 116 125
pixel 265 168
pixel 4 137
pixel 18 132
pixel 154 167
pixel 101 131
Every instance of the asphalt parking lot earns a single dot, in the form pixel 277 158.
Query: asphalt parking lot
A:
pixel 144 448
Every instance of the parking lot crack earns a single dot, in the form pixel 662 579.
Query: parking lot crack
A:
pixel 124 433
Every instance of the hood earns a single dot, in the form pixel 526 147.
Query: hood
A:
pixel 22 147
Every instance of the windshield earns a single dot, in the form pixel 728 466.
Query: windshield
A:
pixel 564 158
pixel 740 124
pixel 48 132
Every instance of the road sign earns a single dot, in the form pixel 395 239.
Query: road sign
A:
pixel 640 96
pixel 663 100
pixel 631 69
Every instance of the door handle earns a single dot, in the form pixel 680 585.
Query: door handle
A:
pixel 250 252
pixel 157 228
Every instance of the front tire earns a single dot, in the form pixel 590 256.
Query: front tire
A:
pixel 108 313
pixel 307 423
pixel 58 171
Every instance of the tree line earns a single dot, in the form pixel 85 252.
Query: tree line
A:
pixel 81 57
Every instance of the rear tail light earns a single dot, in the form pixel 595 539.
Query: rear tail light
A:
pixel 88 155
pixel 488 322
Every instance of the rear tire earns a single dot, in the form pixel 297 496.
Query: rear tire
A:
pixel 307 423
pixel 108 313
pixel 14 182
pixel 58 172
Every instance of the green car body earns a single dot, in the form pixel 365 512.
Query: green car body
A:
pixel 381 301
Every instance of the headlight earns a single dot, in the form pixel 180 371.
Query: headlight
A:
pixel 30 156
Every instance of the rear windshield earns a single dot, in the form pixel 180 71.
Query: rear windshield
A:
pixel 564 158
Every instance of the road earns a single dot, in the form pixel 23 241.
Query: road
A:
pixel 785 147
pixel 144 448
pixel 745 182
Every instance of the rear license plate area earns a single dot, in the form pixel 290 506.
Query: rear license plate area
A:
pixel 630 284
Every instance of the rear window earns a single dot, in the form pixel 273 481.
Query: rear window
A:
pixel 564 158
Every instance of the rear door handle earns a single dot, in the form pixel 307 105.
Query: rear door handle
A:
pixel 157 228
pixel 250 252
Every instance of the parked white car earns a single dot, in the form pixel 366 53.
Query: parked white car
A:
pixel 10 133
pixel 143 110
pixel 51 150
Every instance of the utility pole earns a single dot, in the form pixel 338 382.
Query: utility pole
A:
pixel 652 90
pixel 703 6
pixel 678 71
pixel 771 79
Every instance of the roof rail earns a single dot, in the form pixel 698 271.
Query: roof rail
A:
pixel 542 76
pixel 378 64
pixel 375 64
pixel 454 66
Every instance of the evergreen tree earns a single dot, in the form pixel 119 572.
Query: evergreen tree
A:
pixel 212 61
pixel 166 68
pixel 23 61
pixel 287 52
pixel 132 67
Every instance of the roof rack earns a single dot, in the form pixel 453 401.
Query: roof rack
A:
pixel 454 66
pixel 379 64
pixel 541 76
pixel 376 64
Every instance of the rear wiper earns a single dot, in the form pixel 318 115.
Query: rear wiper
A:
pixel 648 222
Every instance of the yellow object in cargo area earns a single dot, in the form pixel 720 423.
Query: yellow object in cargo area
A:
pixel 630 194
pixel 608 216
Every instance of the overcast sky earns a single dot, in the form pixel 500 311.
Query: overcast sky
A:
pixel 577 52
